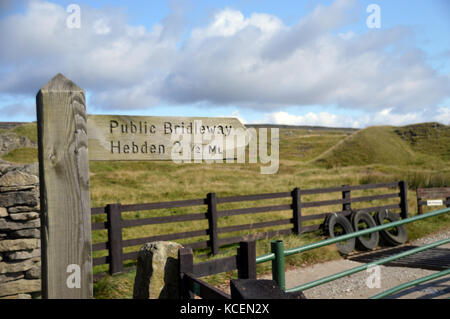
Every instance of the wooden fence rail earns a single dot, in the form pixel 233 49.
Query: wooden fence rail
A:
pixel 115 223
pixel 189 273
pixel 432 194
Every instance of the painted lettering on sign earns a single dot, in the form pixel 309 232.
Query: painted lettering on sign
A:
pixel 115 137
pixel 435 202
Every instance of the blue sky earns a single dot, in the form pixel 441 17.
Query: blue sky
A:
pixel 286 62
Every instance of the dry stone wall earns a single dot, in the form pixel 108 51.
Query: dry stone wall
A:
pixel 20 262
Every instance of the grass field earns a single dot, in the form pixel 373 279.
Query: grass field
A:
pixel 419 154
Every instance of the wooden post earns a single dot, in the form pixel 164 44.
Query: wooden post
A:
pixel 403 199
pixel 114 218
pixel 346 195
pixel 297 211
pixel 64 191
pixel 212 222
pixel 185 266
pixel 419 206
pixel 247 260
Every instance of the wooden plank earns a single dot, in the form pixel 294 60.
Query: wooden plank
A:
pixel 99 246
pixel 140 241
pixel 256 236
pixel 114 215
pixel 215 266
pixel 138 138
pixel 323 203
pixel 253 210
pixel 161 205
pixel 346 198
pixel 162 220
pixel 297 210
pixel 254 226
pixel 374 197
pixel 322 190
pixel 434 192
pixel 231 199
pixel 196 245
pixel 377 208
pixel 322 216
pixel 212 223
pixel 99 226
pixel 247 260
pixel 205 291
pixel 133 255
pixel 64 190
pixel 98 210
pixel 185 266
pixel 403 199
pixel 100 260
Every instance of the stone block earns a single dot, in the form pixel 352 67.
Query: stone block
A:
pixel 19 244
pixel 8 267
pixel 10 225
pixel 20 286
pixel 157 271
pixel 24 216
pixel 23 198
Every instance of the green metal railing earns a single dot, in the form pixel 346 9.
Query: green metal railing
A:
pixel 278 253
pixel 351 271
pixel 411 283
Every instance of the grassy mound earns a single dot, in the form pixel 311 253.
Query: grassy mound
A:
pixel 423 144
pixel 427 138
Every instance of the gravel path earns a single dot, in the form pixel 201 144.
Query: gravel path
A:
pixel 354 286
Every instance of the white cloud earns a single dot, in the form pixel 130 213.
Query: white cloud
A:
pixel 252 61
pixel 443 115
pixel 383 117
pixel 228 22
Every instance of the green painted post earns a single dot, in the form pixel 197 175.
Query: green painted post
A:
pixel 277 248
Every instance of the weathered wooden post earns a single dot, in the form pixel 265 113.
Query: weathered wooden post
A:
pixel 185 266
pixel 114 218
pixel 346 197
pixel 297 211
pixel 212 223
pixel 64 190
pixel 403 199
pixel 247 260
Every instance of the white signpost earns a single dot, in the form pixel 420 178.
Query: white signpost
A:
pixel 435 202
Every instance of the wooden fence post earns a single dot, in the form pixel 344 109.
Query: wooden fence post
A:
pixel 64 191
pixel 346 195
pixel 247 260
pixel 419 206
pixel 212 222
pixel 185 266
pixel 114 220
pixel 403 199
pixel 297 211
